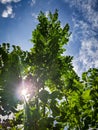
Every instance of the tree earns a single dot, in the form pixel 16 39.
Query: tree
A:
pixel 83 102
pixel 58 98
pixel 11 65
pixel 49 69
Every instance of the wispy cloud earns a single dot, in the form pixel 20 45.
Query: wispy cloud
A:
pixel 33 2
pixel 34 16
pixel 85 32
pixel 9 1
pixel 8 12
pixel 88 11
pixel 88 55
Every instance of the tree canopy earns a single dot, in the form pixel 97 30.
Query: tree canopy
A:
pixel 58 98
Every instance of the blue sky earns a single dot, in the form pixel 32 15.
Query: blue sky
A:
pixel 18 19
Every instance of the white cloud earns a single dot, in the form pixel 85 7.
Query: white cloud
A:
pixel 87 9
pixel 34 16
pixel 88 55
pixel 9 1
pixel 47 13
pixel 8 12
pixel 33 2
pixel 90 14
pixel 85 32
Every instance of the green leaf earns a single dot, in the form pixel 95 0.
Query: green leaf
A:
pixel 35 114
pixel 86 95
pixel 43 124
pixel 43 95
pixel 56 94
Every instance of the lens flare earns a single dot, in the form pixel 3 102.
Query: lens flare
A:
pixel 24 92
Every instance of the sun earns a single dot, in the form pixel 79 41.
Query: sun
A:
pixel 24 92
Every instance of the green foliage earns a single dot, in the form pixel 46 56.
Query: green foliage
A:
pixel 10 76
pixel 58 98
pixel 43 96
pixel 80 108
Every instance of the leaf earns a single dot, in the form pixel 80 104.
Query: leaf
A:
pixel 54 108
pixel 35 114
pixel 86 95
pixel 45 123
pixel 56 94
pixel 43 95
